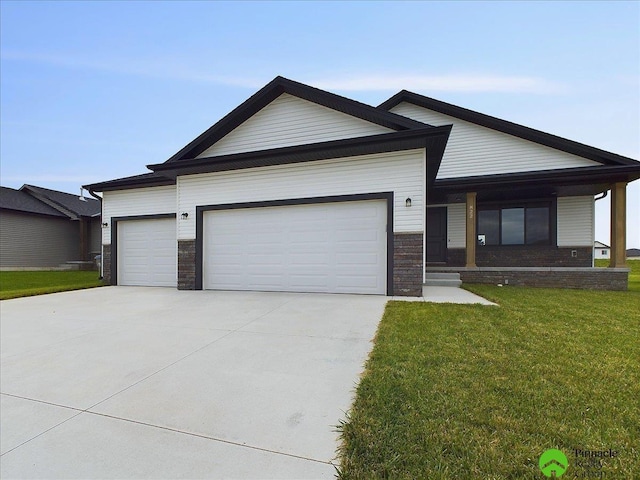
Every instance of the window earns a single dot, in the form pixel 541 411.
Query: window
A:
pixel 517 225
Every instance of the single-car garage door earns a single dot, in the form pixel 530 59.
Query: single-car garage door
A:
pixel 321 247
pixel 147 252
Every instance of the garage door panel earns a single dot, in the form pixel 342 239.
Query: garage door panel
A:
pixel 147 252
pixel 332 247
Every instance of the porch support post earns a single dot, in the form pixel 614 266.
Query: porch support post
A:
pixel 618 225
pixel 471 230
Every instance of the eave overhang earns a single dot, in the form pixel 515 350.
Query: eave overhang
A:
pixel 126 183
pixel 434 139
pixel 566 176
pixel 582 181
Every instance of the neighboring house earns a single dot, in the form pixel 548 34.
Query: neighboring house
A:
pixel 633 253
pixel 298 189
pixel 42 228
pixel 600 250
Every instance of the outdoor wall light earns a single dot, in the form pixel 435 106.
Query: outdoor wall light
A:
pixel 407 202
pixel 184 215
pixel 105 225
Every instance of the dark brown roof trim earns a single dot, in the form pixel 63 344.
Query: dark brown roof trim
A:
pixel 564 176
pixel 510 128
pixel 433 138
pixel 136 181
pixel 273 90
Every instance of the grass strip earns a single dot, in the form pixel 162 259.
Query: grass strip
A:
pixel 14 284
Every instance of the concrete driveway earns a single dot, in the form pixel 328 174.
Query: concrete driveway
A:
pixel 128 382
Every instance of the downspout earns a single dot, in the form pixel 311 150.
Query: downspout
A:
pixel 99 198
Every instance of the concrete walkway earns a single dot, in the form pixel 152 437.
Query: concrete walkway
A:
pixel 128 382
pixel 447 295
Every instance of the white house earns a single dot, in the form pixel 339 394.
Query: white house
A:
pixel 299 189
pixel 600 250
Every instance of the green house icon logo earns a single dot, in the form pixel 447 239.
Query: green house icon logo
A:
pixel 553 463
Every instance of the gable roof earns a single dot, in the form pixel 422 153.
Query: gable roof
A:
pixel 20 201
pixel 504 126
pixel 273 90
pixel 598 244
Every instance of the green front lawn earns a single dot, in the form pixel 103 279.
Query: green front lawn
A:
pixel 473 392
pixel 634 274
pixel 25 283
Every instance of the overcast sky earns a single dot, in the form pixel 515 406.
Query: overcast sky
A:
pixel 95 91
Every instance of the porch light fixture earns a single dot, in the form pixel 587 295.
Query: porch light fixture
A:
pixel 105 224
pixel 407 202
pixel 184 215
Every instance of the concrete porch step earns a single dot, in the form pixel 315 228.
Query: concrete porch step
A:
pixel 442 279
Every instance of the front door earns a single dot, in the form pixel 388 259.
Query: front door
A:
pixel 437 235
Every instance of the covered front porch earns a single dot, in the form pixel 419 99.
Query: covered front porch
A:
pixel 530 230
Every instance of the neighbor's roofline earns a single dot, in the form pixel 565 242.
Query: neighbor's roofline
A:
pixel 510 128
pixel 273 90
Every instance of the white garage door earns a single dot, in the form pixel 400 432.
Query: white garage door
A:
pixel 325 247
pixel 147 252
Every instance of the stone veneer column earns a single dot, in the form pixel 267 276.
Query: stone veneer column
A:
pixel 471 230
pixel 618 225
pixel 407 264
pixel 186 264
pixel 106 264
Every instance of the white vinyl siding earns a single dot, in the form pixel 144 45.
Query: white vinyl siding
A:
pixel 320 247
pixel 289 121
pixel 456 225
pixel 138 201
pixel 474 150
pixel 575 221
pixel 400 172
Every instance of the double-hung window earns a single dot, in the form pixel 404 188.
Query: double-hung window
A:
pixel 514 225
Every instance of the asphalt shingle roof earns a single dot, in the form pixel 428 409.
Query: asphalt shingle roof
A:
pixel 17 200
pixel 68 201
pixel 44 201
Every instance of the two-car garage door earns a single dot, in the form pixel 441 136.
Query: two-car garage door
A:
pixel 321 247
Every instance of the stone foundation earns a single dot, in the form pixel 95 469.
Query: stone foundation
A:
pixel 551 277
pixel 186 264
pixel 106 264
pixel 407 264
pixel 529 256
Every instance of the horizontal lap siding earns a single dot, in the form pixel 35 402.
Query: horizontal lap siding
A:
pixel 400 172
pixel 37 241
pixel 474 150
pixel 289 121
pixel 139 201
pixel 575 221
